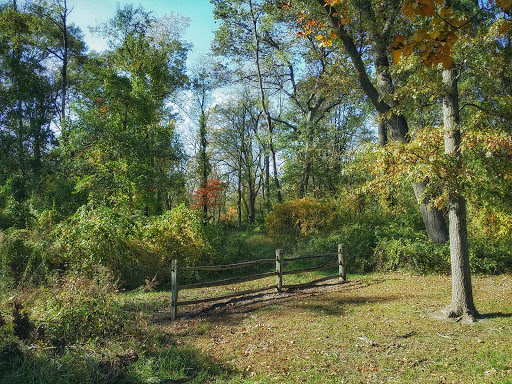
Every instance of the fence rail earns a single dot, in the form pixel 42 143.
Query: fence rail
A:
pixel 278 273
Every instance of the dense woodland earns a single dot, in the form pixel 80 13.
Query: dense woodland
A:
pixel 313 122
pixel 383 125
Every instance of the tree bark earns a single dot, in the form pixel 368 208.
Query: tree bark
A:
pixel 204 163
pixel 239 192
pixel 276 176
pixel 266 188
pixel 307 162
pixel 462 304
pixel 383 134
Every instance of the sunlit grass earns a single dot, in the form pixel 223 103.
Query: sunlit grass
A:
pixel 373 329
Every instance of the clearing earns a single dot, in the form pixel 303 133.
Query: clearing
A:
pixel 372 329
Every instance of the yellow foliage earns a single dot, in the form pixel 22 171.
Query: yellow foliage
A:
pixel 505 5
pixel 323 41
pixel 303 217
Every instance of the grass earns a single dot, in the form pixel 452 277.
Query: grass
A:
pixel 373 329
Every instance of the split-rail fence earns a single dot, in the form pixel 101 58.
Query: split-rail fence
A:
pixel 279 273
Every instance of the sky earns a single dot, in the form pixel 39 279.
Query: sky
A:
pixel 86 13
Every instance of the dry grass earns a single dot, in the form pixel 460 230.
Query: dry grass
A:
pixel 373 329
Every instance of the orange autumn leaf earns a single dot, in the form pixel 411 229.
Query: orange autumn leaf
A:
pixel 208 195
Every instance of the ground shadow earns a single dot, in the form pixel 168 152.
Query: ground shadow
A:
pixel 493 315
pixel 233 311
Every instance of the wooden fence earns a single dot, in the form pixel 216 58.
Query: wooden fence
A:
pixel 278 273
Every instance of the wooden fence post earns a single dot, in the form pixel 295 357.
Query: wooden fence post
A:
pixel 174 289
pixel 341 261
pixel 279 270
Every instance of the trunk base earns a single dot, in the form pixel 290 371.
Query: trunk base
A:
pixel 457 313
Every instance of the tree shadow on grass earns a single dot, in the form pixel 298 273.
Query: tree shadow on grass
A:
pixel 493 315
pixel 176 364
pixel 316 298
pixel 337 307
pixel 169 363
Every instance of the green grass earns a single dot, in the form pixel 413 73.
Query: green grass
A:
pixel 373 329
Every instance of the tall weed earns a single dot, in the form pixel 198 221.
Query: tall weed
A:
pixel 79 307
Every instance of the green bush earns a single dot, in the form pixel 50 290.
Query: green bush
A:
pixel 490 239
pixel 177 234
pixel 21 256
pixel 415 254
pixel 92 237
pixel 133 248
pixel 14 212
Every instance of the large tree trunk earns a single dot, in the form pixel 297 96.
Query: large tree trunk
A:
pixel 462 295
pixel 433 218
pixel 383 134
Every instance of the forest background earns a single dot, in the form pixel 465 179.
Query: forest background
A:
pixel 316 123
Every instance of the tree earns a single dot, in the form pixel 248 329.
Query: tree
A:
pixel 202 83
pixel 303 71
pixel 122 146
pixel 377 21
pixel 63 42
pixel 436 45
pixel 462 296
pixel 27 105
pixel 237 148
pixel 241 36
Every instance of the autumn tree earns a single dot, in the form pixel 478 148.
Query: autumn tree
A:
pixel 312 80
pixel 436 45
pixel 367 28
pixel 204 79
pixel 241 36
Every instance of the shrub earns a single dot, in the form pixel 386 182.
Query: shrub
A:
pixel 92 237
pixel 133 248
pixel 301 217
pixel 490 236
pixel 15 252
pixel 418 255
pixel 21 256
pixel 177 234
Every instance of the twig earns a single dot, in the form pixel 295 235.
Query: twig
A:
pixel 371 342
pixel 445 336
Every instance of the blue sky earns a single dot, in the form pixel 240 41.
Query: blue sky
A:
pixel 87 13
